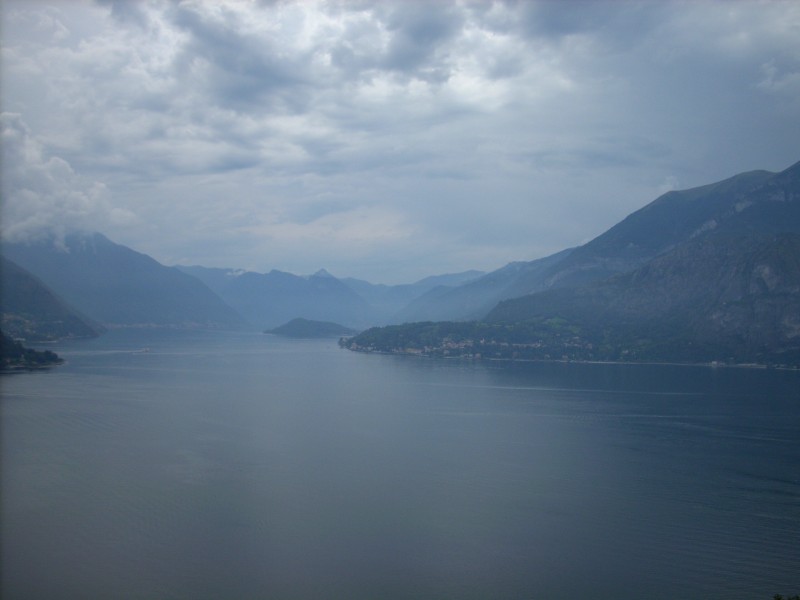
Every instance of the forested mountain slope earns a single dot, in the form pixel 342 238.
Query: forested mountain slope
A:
pixel 32 311
pixel 117 286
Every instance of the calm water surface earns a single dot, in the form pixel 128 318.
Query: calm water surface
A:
pixel 247 466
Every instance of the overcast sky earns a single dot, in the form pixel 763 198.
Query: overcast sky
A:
pixel 384 140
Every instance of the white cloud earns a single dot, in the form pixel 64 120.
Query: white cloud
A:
pixel 42 195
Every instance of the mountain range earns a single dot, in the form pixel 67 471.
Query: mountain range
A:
pixel 103 284
pixel 711 273
pixel 709 267
pixel 475 298
pixel 267 300
pixel 118 287
pixel 756 201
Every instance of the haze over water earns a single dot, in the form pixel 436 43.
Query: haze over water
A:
pixel 221 465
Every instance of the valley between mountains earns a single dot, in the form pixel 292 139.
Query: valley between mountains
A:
pixel 705 275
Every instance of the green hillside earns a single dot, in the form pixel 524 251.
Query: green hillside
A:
pixel 33 312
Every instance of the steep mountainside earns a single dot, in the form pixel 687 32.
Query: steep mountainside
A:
pixel 271 299
pixel 753 202
pixel 33 312
pixel 721 297
pixel 117 286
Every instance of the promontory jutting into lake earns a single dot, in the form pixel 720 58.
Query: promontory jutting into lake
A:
pixel 617 419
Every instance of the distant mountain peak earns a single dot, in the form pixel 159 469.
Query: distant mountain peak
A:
pixel 323 273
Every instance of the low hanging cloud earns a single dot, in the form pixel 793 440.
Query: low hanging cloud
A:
pixel 43 195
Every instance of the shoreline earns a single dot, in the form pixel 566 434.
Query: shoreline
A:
pixel 710 365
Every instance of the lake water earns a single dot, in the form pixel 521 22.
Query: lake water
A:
pixel 222 465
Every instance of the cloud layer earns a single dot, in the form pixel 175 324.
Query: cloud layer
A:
pixel 386 140
pixel 44 195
